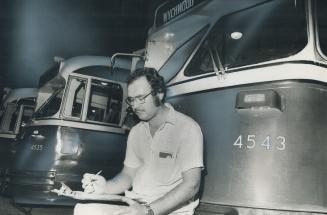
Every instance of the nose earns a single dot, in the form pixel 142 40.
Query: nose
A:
pixel 135 104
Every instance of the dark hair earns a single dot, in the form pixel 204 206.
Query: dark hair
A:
pixel 155 80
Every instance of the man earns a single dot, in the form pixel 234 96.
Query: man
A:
pixel 164 156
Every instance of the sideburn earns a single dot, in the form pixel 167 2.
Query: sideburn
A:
pixel 157 101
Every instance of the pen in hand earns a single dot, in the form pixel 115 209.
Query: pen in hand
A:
pixel 89 186
pixel 98 173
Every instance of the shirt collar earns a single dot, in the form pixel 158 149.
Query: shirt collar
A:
pixel 171 117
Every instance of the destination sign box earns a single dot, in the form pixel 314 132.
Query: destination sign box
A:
pixel 173 9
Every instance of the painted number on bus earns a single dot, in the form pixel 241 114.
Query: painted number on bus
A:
pixel 37 147
pixel 251 141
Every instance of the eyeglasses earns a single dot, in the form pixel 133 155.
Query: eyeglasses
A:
pixel 140 99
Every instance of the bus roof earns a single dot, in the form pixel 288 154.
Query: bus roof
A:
pixel 70 65
pixel 19 93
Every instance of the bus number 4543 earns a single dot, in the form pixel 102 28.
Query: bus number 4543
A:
pixel 250 142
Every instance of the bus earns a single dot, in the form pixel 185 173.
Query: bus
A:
pixel 253 74
pixel 17 109
pixel 77 127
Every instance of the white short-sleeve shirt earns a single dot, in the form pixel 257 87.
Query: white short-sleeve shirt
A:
pixel 176 147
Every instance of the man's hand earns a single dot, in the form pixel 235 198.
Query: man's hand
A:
pixel 94 183
pixel 135 209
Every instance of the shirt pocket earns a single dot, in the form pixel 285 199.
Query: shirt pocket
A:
pixel 166 166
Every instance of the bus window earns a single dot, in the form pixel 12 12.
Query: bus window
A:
pixel 27 114
pixel 51 106
pixel 105 102
pixel 322 25
pixel 269 31
pixel 13 121
pixel 202 62
pixel 75 97
pixel 21 115
pixel 9 120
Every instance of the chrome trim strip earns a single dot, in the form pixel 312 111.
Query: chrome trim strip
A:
pixel 251 76
pixel 10 136
pixel 82 125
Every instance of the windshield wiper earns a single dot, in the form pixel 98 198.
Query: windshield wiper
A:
pixel 219 70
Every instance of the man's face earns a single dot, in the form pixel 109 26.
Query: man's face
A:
pixel 139 90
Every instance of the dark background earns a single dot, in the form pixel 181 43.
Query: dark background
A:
pixel 32 32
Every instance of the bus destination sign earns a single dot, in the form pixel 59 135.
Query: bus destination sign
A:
pixel 173 9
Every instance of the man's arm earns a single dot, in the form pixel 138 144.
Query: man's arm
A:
pixel 97 184
pixel 121 182
pixel 179 196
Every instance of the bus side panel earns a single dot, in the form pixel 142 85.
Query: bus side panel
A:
pixel 6 154
pixel 48 155
pixel 265 144
pixel 6 147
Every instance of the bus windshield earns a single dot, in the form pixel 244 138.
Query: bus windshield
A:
pixel 51 106
pixel 322 25
pixel 272 30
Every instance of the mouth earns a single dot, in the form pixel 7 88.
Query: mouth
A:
pixel 138 111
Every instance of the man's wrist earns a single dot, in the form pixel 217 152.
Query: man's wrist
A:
pixel 149 209
pixel 107 187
